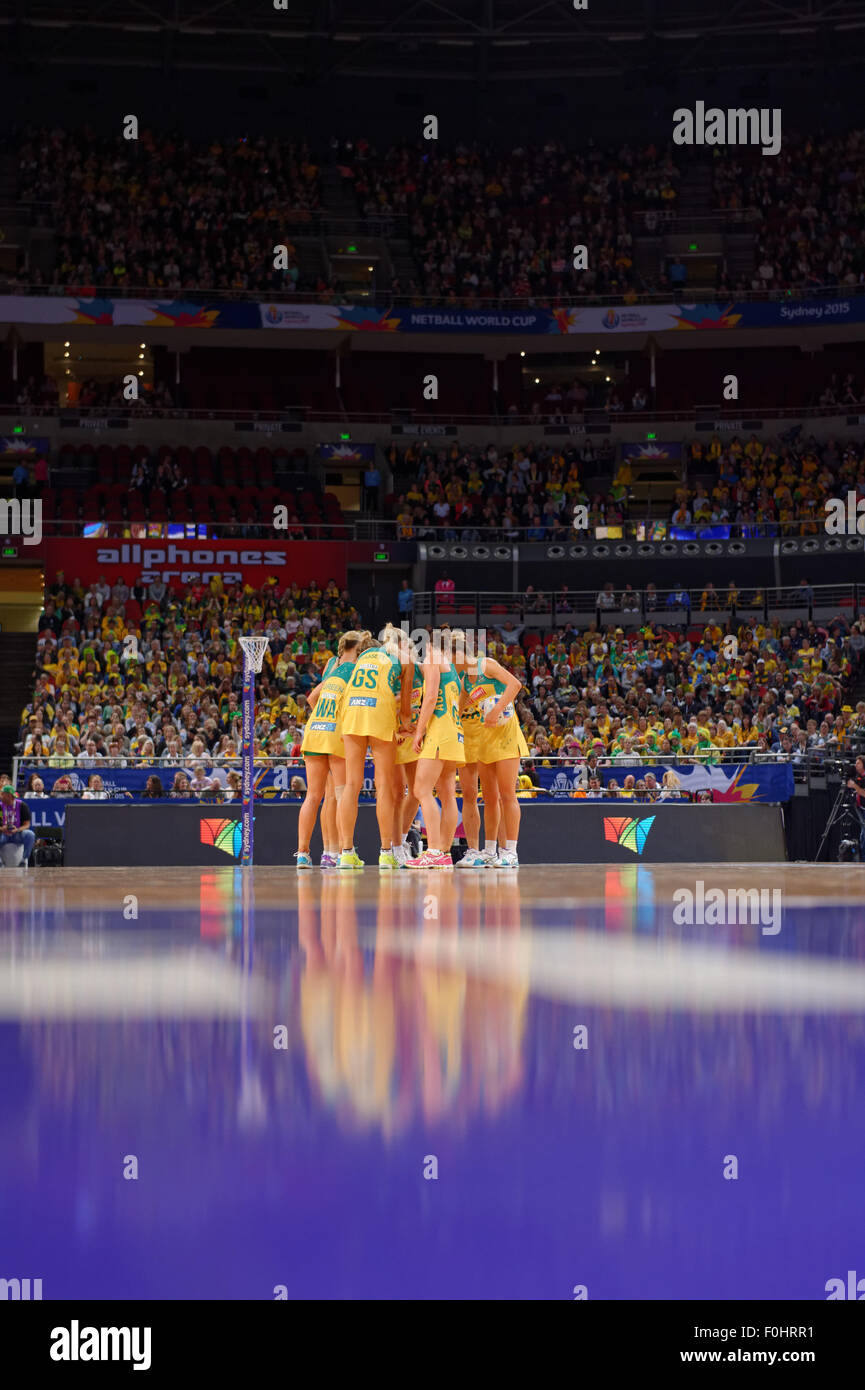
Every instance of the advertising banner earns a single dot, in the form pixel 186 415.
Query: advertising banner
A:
pixel 21 446
pixel 653 452
pixel 180 563
pixel 576 833
pixel 346 453
pixel 733 783
pixel 81 312
pixel 71 313
pixel 727 782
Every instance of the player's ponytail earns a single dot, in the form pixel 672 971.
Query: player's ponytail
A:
pixel 393 641
pixel 347 642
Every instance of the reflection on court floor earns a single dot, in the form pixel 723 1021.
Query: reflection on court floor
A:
pixel 493 1085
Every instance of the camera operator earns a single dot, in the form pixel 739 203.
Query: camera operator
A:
pixel 856 784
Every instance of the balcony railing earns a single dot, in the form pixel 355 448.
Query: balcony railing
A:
pixel 199 294
pixel 494 609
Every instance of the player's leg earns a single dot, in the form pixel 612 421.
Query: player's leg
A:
pixel 384 760
pixel 492 812
pixel 404 811
pixel 401 788
pixel 426 776
pixel 316 781
pixel 333 795
pixel 507 772
pixel 411 803
pixel 447 795
pixel 328 821
pixel 468 775
pixel 346 812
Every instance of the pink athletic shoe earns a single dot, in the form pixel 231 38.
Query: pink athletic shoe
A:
pixel 422 861
pixel 439 861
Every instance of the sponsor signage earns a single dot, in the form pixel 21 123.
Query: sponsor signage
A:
pixel 423 429
pixel 167 315
pixel 268 426
pixel 102 833
pixel 180 563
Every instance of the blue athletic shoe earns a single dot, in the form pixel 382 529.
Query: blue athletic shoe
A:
pixel 304 861
pixel 472 859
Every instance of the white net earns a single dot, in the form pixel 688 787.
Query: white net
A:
pixel 254 649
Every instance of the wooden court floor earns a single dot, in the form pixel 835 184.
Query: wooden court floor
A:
pixel 555 886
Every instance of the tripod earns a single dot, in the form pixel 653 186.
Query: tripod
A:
pixel 843 813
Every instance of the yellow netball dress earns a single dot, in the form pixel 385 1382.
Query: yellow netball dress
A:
pixel 321 732
pixel 405 751
pixel 472 720
pixel 499 741
pixel 444 733
pixel 371 699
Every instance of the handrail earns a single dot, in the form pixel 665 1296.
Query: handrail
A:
pixel 820 763
pixel 374 529
pixel 751 601
pixel 198 294
pixel 572 421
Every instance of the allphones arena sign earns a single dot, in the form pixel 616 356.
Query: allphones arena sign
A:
pixel 186 564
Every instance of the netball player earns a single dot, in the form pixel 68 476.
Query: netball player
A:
pixel 438 741
pixel 473 772
pixel 500 744
pixel 405 797
pixel 369 720
pixel 323 751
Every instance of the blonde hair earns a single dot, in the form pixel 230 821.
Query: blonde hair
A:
pixel 367 641
pixel 394 641
pixel 348 639
pixel 670 779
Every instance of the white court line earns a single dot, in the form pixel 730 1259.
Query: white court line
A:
pixel 630 972
pixel 178 986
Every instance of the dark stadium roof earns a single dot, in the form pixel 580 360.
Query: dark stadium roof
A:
pixel 495 41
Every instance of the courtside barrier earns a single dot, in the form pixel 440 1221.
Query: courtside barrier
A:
pixel 99 833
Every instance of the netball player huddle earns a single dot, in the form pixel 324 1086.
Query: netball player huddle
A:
pixel 424 724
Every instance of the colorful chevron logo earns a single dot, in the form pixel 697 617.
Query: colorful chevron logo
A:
pixel 628 832
pixel 226 835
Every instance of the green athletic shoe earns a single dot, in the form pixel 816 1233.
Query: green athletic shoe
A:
pixel 387 860
pixel 349 859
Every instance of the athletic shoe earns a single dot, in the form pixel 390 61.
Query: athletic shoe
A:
pixel 508 859
pixel 328 861
pixel 472 859
pixel 386 860
pixel 304 861
pixel 438 861
pixel 349 859
pixel 400 854
pixel 490 858
pixel 421 861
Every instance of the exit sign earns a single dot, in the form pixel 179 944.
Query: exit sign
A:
pixel 381 556
pixel 9 552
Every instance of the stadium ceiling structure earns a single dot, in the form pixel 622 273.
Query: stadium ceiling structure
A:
pixel 313 42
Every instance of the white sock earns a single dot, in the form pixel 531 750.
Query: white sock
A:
pixel 396 848
pixel 489 846
pixel 405 838
pixel 511 846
